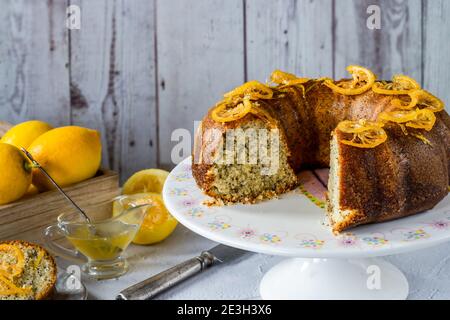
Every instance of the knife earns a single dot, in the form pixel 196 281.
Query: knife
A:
pixel 151 287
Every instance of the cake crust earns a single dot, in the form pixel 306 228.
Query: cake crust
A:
pixel 398 178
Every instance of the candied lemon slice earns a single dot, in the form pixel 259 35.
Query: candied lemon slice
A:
pixel 424 119
pixel 431 102
pixel 363 80
pixel 237 103
pixel 9 267
pixel 358 126
pixel 281 77
pixel 286 79
pixel 400 85
pixel 367 139
pixel 366 134
pixel 224 113
pixel 420 97
pixel 402 82
pixel 7 287
pixel 253 90
pixel 398 116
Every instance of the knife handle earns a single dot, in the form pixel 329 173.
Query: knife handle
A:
pixel 153 286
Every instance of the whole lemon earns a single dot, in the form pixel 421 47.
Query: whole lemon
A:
pixel 158 224
pixel 69 155
pixel 15 173
pixel 23 134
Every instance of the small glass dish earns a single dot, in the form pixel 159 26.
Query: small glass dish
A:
pixel 99 245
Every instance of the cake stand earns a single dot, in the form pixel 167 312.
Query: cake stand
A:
pixel 320 264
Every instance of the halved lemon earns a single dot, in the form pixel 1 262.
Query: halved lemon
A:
pixel 149 180
pixel 158 223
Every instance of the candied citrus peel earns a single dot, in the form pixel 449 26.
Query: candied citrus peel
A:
pixel 226 112
pixel 418 119
pixel 422 138
pixel 363 80
pixel 238 102
pixel 7 287
pixel 285 79
pixel 397 116
pixel 40 256
pixel 400 85
pixel 253 90
pixel 424 119
pixel 366 134
pixel 349 126
pixel 420 98
pixel 12 269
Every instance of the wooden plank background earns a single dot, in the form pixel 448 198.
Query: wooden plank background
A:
pixel 139 69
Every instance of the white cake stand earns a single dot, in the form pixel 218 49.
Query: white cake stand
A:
pixel 321 265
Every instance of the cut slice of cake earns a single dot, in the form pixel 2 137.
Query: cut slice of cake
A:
pixel 390 181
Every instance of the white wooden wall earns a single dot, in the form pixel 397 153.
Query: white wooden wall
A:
pixel 138 69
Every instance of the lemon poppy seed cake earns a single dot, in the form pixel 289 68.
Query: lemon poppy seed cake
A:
pixel 387 144
pixel 27 271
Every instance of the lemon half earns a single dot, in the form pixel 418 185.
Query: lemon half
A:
pixel 149 180
pixel 158 223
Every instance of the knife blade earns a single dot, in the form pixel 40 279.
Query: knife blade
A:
pixel 151 287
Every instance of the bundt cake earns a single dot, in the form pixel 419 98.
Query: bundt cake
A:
pixel 387 144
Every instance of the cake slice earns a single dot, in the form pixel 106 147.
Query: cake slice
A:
pixel 400 177
pixel 27 271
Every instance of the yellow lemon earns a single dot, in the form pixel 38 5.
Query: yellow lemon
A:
pixel 158 223
pixel 15 173
pixel 69 154
pixel 149 180
pixel 23 134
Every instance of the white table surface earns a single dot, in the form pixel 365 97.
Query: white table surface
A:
pixel 428 271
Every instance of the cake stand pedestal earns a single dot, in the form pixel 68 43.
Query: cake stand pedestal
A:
pixel 320 265
pixel 318 279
